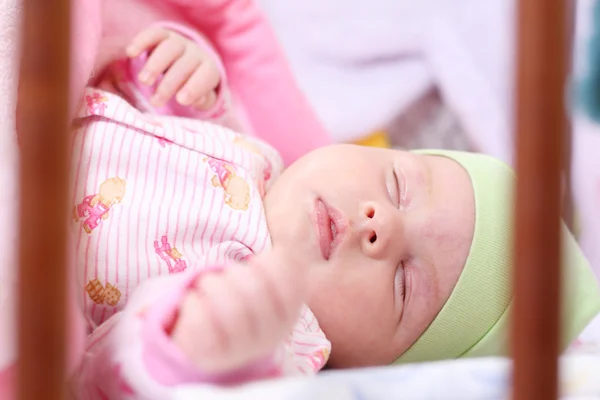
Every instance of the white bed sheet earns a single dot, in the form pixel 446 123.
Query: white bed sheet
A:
pixel 476 379
pixel 469 379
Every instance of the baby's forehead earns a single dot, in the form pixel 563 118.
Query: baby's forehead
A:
pixel 401 153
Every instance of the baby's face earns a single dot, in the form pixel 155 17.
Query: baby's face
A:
pixel 385 235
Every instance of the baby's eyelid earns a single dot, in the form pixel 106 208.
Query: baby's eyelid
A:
pixel 397 194
pixel 401 286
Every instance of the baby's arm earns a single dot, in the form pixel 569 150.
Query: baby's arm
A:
pixel 252 321
pixel 217 327
pixel 259 75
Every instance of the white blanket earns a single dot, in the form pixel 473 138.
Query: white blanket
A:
pixel 476 379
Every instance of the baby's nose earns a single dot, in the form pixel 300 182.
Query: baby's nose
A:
pixel 375 231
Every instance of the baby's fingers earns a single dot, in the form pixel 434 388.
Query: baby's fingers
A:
pixel 232 317
pixel 145 40
pixel 206 329
pixel 163 56
pixel 287 283
pixel 207 101
pixel 197 331
pixel 175 78
pixel 268 322
pixel 203 81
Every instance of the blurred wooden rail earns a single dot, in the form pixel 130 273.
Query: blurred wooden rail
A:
pixel 543 59
pixel 42 128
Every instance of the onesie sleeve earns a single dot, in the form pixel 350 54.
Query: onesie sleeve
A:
pixel 119 361
pixel 132 354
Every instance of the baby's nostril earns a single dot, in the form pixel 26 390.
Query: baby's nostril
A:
pixel 373 238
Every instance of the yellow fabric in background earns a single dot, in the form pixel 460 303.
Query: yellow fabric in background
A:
pixel 376 139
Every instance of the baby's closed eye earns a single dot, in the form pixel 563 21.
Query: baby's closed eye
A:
pixel 400 281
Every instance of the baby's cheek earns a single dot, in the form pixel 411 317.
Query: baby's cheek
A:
pixel 447 250
pixel 426 298
pixel 328 316
pixel 451 259
pixel 427 293
pixel 333 303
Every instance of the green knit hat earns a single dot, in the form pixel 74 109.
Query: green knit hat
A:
pixel 475 319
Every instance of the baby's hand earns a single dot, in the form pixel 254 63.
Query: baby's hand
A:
pixel 190 72
pixel 239 315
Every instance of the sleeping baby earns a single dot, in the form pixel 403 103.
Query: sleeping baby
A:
pixel 201 260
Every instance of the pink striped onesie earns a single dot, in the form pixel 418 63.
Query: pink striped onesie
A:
pixel 157 200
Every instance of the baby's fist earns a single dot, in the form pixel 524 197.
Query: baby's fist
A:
pixel 239 315
pixel 189 71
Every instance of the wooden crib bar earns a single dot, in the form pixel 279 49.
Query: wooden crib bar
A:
pixel 42 128
pixel 542 64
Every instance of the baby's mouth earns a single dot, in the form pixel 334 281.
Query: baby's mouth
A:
pixel 331 228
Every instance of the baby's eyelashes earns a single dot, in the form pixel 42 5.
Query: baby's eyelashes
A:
pixel 393 187
pixel 397 191
pixel 400 289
